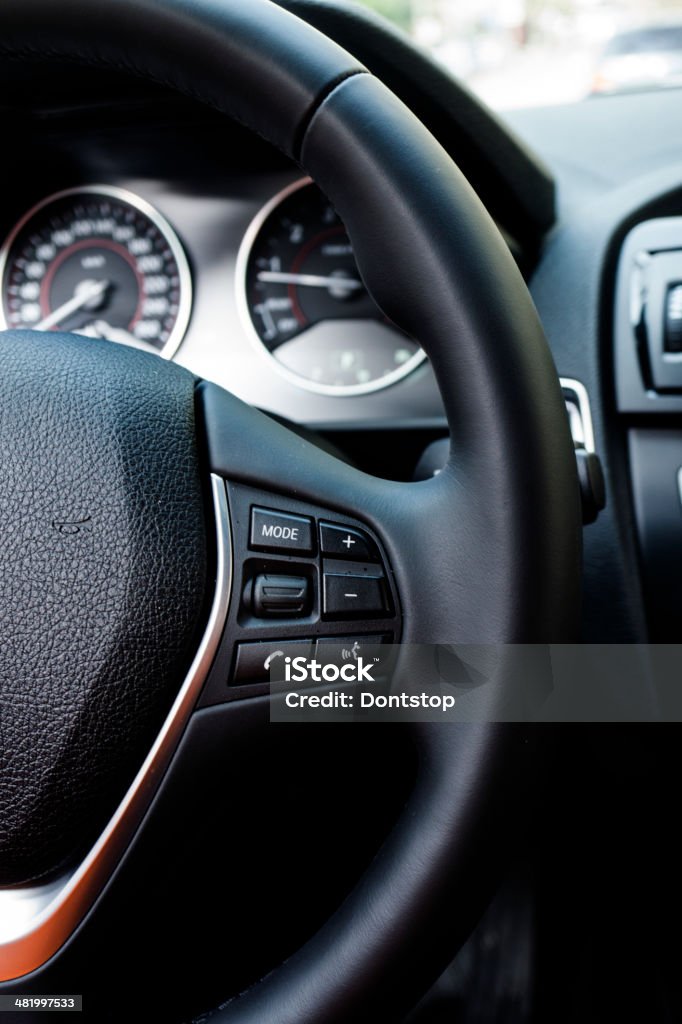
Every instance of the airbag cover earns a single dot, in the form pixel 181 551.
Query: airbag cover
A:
pixel 102 584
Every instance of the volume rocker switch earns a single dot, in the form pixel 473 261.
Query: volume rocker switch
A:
pixel 279 595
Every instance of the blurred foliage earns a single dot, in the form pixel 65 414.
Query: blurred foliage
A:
pixel 397 11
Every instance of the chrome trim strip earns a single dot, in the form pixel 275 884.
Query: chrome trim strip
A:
pixel 335 390
pixel 149 211
pixel 583 400
pixel 36 921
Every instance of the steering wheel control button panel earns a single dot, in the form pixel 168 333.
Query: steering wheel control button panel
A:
pixel 101 262
pixel 303 303
pixel 302 575
pixel 279 531
pixel 351 597
pixel 279 595
pixel 255 661
pixel 339 541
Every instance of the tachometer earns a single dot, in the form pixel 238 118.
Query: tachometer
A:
pixel 97 261
pixel 303 301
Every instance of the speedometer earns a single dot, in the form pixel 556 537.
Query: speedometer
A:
pixel 97 261
pixel 303 301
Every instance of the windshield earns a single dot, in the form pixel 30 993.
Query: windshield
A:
pixel 523 53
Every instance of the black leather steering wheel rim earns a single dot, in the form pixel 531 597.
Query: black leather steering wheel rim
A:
pixel 488 551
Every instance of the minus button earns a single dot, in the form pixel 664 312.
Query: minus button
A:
pixel 348 597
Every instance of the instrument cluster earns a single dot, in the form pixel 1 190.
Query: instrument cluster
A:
pixel 101 261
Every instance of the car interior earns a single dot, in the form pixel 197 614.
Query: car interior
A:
pixel 304 345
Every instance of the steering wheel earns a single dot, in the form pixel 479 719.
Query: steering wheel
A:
pixel 127 539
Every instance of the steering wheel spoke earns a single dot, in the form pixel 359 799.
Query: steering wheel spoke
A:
pixel 310 565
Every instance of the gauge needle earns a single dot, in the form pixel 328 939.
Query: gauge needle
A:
pixel 101 329
pixel 310 280
pixel 85 293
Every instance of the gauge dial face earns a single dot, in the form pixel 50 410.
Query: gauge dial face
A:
pixel 97 261
pixel 304 302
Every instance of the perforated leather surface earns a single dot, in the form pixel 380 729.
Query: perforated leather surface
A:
pixel 102 583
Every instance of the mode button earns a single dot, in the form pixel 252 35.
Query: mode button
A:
pixel 278 531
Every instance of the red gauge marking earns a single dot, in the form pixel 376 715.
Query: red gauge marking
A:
pixel 302 254
pixel 90 243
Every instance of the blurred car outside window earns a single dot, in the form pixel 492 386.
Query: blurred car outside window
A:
pixel 525 53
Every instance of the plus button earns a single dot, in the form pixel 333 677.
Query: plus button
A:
pixel 339 540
